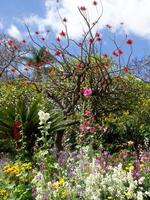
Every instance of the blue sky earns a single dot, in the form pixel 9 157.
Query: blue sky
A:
pixel 41 14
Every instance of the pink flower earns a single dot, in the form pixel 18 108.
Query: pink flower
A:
pixel 92 129
pixel 86 92
pixel 87 113
pixel 84 126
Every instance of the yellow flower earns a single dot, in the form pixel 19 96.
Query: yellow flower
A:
pixel 127 194
pixel 131 168
pixel 64 193
pixel 3 193
pixel 61 181
pixel 110 197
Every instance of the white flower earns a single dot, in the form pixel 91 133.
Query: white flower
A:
pixel 139 195
pixel 43 117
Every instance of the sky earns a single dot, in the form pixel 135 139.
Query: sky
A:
pixel 129 17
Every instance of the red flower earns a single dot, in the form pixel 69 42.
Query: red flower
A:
pixel 46 60
pixel 58 39
pixel 105 55
pixel 87 113
pixel 16 133
pixel 42 38
pixel 37 32
pixel 10 42
pixel 83 8
pixel 120 51
pixel 64 19
pixel 24 41
pixel 129 41
pixel 92 129
pixel 80 44
pixel 46 52
pixel 62 33
pixel 15 46
pixel 109 26
pixel 106 64
pixel 90 40
pixel 58 53
pixel 126 69
pixel 115 53
pixel 95 3
pixel 13 69
pixel 80 65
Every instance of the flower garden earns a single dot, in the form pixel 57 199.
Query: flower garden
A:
pixel 74 119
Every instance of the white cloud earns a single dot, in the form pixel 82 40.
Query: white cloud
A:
pixel 14 32
pixel 134 14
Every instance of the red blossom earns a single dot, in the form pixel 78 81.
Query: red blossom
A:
pixel 106 64
pixel 80 44
pixel 79 65
pixel 46 60
pixel 15 46
pixel 58 39
pixel 83 8
pixel 42 38
pixel 58 53
pixel 115 53
pixel 95 3
pixel 87 113
pixel 92 129
pixel 13 69
pixel 129 41
pixel 46 52
pixel 109 26
pixel 37 32
pixel 10 42
pixel 24 41
pixel 126 69
pixel 65 19
pixel 90 40
pixel 120 51
pixel 62 33
pixel 105 55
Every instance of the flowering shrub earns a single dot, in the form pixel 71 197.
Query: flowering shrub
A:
pixel 82 175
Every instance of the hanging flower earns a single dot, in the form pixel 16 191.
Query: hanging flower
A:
pixel 62 33
pixel 83 8
pixel 129 42
pixel 95 3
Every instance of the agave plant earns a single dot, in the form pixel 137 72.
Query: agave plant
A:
pixel 22 121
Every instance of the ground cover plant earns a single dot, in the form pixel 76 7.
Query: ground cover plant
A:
pixel 74 124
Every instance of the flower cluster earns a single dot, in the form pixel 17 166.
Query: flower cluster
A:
pixel 14 169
